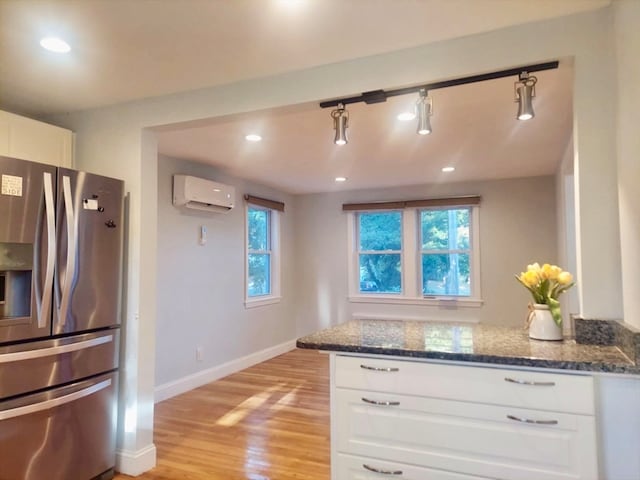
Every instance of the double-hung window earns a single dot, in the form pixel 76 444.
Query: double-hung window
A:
pixel 415 252
pixel 380 251
pixel 262 252
pixel 445 252
pixel 259 251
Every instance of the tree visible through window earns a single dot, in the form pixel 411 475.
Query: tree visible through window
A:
pixel 445 251
pixel 379 251
pixel 259 252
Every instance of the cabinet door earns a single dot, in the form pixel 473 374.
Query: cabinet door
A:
pixel 28 139
pixel 476 439
pixel 349 467
pixel 497 386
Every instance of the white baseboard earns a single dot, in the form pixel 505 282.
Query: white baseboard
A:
pixel 195 380
pixel 136 463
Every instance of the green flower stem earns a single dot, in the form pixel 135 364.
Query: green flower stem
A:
pixel 554 308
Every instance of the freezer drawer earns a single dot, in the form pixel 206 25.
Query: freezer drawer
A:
pixel 32 366
pixel 67 433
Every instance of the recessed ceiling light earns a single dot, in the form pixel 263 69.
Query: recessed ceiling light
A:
pixel 252 137
pixel 406 116
pixel 341 179
pixel 448 169
pixel 55 44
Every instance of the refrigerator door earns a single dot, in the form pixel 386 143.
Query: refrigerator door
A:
pixel 27 248
pixel 88 264
pixel 60 434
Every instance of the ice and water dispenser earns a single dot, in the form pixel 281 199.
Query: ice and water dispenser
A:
pixel 16 269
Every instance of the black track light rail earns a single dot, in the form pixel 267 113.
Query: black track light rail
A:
pixel 379 96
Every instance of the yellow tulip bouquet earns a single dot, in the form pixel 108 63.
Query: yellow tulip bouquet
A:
pixel 546 283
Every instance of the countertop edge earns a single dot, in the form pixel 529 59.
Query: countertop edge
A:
pixel 589 367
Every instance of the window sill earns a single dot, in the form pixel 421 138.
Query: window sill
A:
pixel 262 301
pixel 445 303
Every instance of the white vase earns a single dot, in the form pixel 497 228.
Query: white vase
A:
pixel 541 324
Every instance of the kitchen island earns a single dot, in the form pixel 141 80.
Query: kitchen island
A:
pixel 451 401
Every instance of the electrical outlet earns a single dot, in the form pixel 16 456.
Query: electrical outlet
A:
pixel 199 353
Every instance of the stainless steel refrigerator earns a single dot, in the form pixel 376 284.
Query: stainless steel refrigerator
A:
pixel 60 269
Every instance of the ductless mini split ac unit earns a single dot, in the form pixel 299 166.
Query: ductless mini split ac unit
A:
pixel 202 194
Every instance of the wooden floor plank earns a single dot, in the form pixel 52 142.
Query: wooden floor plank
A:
pixel 268 422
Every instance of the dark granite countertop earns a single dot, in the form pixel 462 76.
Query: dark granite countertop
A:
pixel 464 342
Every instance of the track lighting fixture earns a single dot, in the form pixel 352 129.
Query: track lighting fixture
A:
pixel 525 90
pixel 340 124
pixel 424 109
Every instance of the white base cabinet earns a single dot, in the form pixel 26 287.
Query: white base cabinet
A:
pixel 459 422
pixel 28 139
pixel 349 467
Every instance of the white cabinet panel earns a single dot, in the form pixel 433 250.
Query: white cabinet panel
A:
pixel 540 391
pixel 28 139
pixel 470 438
pixel 448 419
pixel 349 467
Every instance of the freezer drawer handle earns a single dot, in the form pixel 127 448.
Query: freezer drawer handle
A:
pixel 528 420
pixel 47 352
pixel 380 369
pixel 383 403
pixel 380 471
pixel 55 402
pixel 527 382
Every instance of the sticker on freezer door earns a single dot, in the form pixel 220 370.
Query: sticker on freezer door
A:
pixel 11 185
pixel 90 204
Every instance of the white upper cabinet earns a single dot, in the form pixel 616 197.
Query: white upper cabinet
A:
pixel 28 139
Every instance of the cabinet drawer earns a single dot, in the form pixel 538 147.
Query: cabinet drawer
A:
pixel 349 467
pixel 523 389
pixel 474 439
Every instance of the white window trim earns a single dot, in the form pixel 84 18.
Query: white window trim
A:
pixel 411 266
pixel 275 274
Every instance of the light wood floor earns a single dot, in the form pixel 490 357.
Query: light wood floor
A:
pixel 270 421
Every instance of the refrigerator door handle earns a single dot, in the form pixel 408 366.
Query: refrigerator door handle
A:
pixel 44 307
pixel 55 402
pixel 50 351
pixel 71 250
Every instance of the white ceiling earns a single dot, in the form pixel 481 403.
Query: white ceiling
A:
pixel 131 49
pixel 474 130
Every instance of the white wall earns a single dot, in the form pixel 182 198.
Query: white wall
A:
pixel 566 231
pixel 627 36
pixel 201 287
pixel 114 141
pixel 517 227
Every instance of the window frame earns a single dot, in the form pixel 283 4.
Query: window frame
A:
pixel 411 258
pixel 273 242
pixel 474 265
pixel 380 252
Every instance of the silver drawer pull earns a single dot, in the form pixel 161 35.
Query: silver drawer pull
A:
pixel 375 402
pixel 380 471
pixel 380 369
pixel 526 382
pixel 537 422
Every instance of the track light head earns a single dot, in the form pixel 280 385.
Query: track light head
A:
pixel 424 110
pixel 340 124
pixel 525 90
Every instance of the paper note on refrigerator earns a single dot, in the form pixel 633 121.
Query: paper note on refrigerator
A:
pixel 90 204
pixel 11 185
